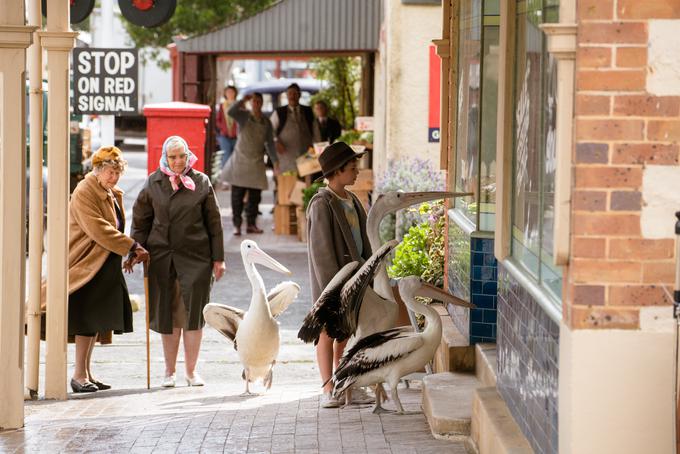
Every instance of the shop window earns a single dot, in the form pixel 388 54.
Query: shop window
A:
pixel 477 99
pixel 534 158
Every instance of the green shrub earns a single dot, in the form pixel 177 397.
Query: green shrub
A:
pixel 308 193
pixel 422 251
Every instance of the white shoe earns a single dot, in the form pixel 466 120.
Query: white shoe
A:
pixel 359 397
pixel 328 401
pixel 168 381
pixel 196 380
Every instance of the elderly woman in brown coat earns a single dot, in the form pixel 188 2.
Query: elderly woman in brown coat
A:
pixel 176 217
pixel 98 296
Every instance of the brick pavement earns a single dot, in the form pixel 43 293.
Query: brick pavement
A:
pixel 287 418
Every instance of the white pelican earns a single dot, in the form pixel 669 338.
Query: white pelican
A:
pixel 255 333
pixel 387 356
pixel 338 308
pixel 380 311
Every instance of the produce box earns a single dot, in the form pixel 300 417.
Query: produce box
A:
pixel 307 164
pixel 301 224
pixel 285 221
pixel 285 184
pixel 364 181
pixel 295 196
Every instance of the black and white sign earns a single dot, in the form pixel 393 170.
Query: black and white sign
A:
pixel 105 81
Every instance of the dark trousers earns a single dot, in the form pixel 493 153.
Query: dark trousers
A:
pixel 238 194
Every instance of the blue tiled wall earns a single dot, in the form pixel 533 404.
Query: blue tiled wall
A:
pixel 483 289
pixel 472 276
pixel 528 358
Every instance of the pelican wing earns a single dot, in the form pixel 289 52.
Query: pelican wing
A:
pixel 282 296
pixel 353 292
pixel 224 319
pixel 326 311
pixel 373 352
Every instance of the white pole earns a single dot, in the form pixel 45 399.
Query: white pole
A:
pixel 108 129
pixel 15 37
pixel 35 222
pixel 58 40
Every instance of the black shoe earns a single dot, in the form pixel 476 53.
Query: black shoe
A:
pixel 237 231
pixel 86 387
pixel 100 386
pixel 253 229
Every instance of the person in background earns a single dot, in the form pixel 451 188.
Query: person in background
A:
pixel 227 129
pixel 98 295
pixel 177 218
pixel 336 222
pixel 325 129
pixel 245 171
pixel 293 126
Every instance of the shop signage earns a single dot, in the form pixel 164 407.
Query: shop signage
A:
pixel 105 81
pixel 434 105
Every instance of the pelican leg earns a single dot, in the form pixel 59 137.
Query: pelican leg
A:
pixel 269 377
pixel 348 397
pixel 379 388
pixel 378 409
pixel 397 402
pixel 246 377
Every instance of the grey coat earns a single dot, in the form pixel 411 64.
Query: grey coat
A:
pixel 183 230
pixel 245 167
pixel 331 245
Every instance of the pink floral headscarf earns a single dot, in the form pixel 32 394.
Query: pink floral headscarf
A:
pixel 165 168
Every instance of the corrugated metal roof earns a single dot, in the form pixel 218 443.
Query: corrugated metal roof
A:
pixel 297 26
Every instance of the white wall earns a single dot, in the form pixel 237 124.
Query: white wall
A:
pixel 616 390
pixel 402 83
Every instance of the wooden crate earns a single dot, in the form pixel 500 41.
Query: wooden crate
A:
pixel 285 184
pixel 301 224
pixel 285 221
pixel 364 181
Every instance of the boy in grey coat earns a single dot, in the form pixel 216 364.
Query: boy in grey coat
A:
pixel 336 222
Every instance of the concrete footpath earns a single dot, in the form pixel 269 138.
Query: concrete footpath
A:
pixel 215 418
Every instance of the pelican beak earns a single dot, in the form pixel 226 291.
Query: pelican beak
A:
pixel 415 198
pixel 430 291
pixel 261 257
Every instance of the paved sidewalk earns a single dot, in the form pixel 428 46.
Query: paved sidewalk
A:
pixel 215 418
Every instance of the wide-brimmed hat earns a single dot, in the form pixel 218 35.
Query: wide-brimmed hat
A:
pixel 335 156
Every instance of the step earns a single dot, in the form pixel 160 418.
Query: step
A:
pixel 494 430
pixel 455 353
pixel 486 360
pixel 447 403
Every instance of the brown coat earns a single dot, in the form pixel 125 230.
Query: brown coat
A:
pixel 93 234
pixel 331 245
pixel 92 231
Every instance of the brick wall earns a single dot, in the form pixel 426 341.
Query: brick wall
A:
pixel 621 129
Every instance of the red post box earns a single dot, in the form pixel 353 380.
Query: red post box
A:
pixel 182 119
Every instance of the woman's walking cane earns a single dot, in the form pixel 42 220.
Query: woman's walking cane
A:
pixel 146 307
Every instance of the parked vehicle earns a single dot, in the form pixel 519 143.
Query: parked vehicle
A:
pixel 274 91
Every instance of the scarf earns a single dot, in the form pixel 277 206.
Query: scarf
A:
pixel 165 168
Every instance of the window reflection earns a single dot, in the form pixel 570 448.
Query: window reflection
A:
pixel 534 144
pixel 477 99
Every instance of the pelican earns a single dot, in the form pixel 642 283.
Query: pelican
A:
pixel 339 306
pixel 387 356
pixel 380 310
pixel 255 333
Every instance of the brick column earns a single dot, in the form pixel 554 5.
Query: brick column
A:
pixel 618 337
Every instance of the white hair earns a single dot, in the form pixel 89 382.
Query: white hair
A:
pixel 175 142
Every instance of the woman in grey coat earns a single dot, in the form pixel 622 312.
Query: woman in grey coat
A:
pixel 177 219
pixel 245 170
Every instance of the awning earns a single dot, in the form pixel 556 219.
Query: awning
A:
pixel 297 26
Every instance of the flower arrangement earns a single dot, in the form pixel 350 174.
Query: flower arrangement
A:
pixel 408 175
